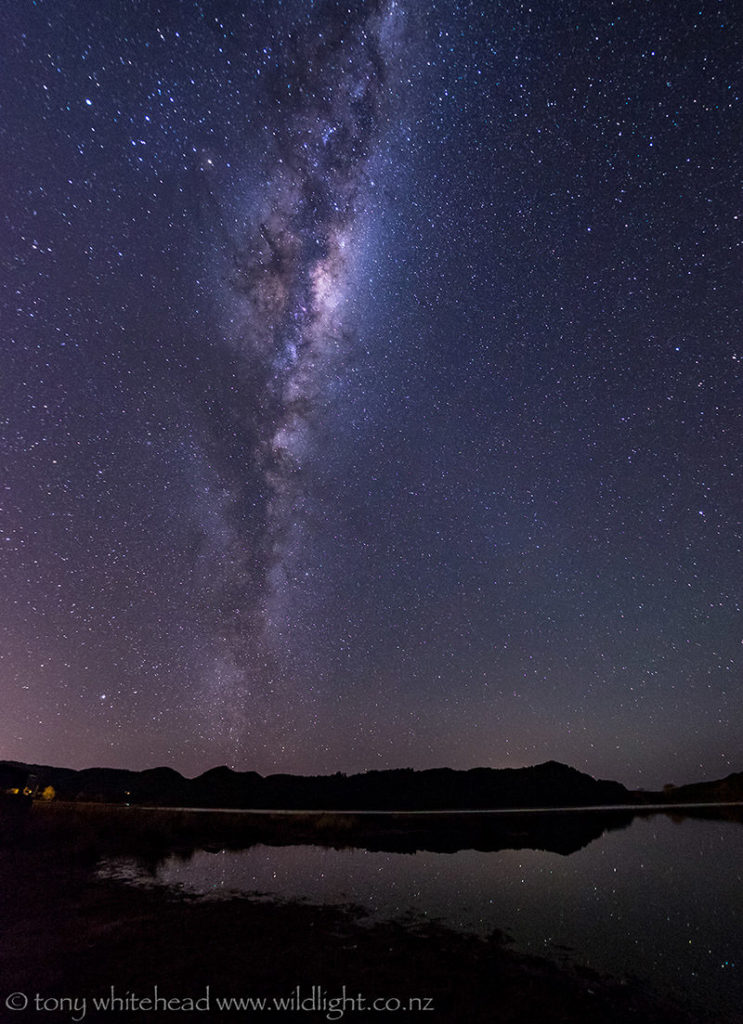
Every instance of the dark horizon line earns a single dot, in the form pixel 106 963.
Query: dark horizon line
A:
pixel 365 772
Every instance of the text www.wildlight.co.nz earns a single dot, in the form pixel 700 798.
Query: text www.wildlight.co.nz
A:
pixel 316 999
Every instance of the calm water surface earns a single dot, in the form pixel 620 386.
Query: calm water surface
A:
pixel 661 900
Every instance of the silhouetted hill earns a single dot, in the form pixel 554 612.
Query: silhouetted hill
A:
pixel 546 785
pixel 725 790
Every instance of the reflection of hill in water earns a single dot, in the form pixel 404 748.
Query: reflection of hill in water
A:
pixel 563 832
pixel 731 812
pixel 88 832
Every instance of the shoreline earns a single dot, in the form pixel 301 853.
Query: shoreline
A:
pixel 442 812
pixel 75 935
pixel 71 933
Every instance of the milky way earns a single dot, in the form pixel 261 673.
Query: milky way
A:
pixel 292 276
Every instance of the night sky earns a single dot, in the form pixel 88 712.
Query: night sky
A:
pixel 371 385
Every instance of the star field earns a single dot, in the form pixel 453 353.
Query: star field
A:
pixel 371 389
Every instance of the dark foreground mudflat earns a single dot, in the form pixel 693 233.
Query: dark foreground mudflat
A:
pixel 69 935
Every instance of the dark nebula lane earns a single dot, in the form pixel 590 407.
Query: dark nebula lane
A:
pixel 294 270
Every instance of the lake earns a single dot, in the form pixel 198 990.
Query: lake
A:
pixel 660 899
